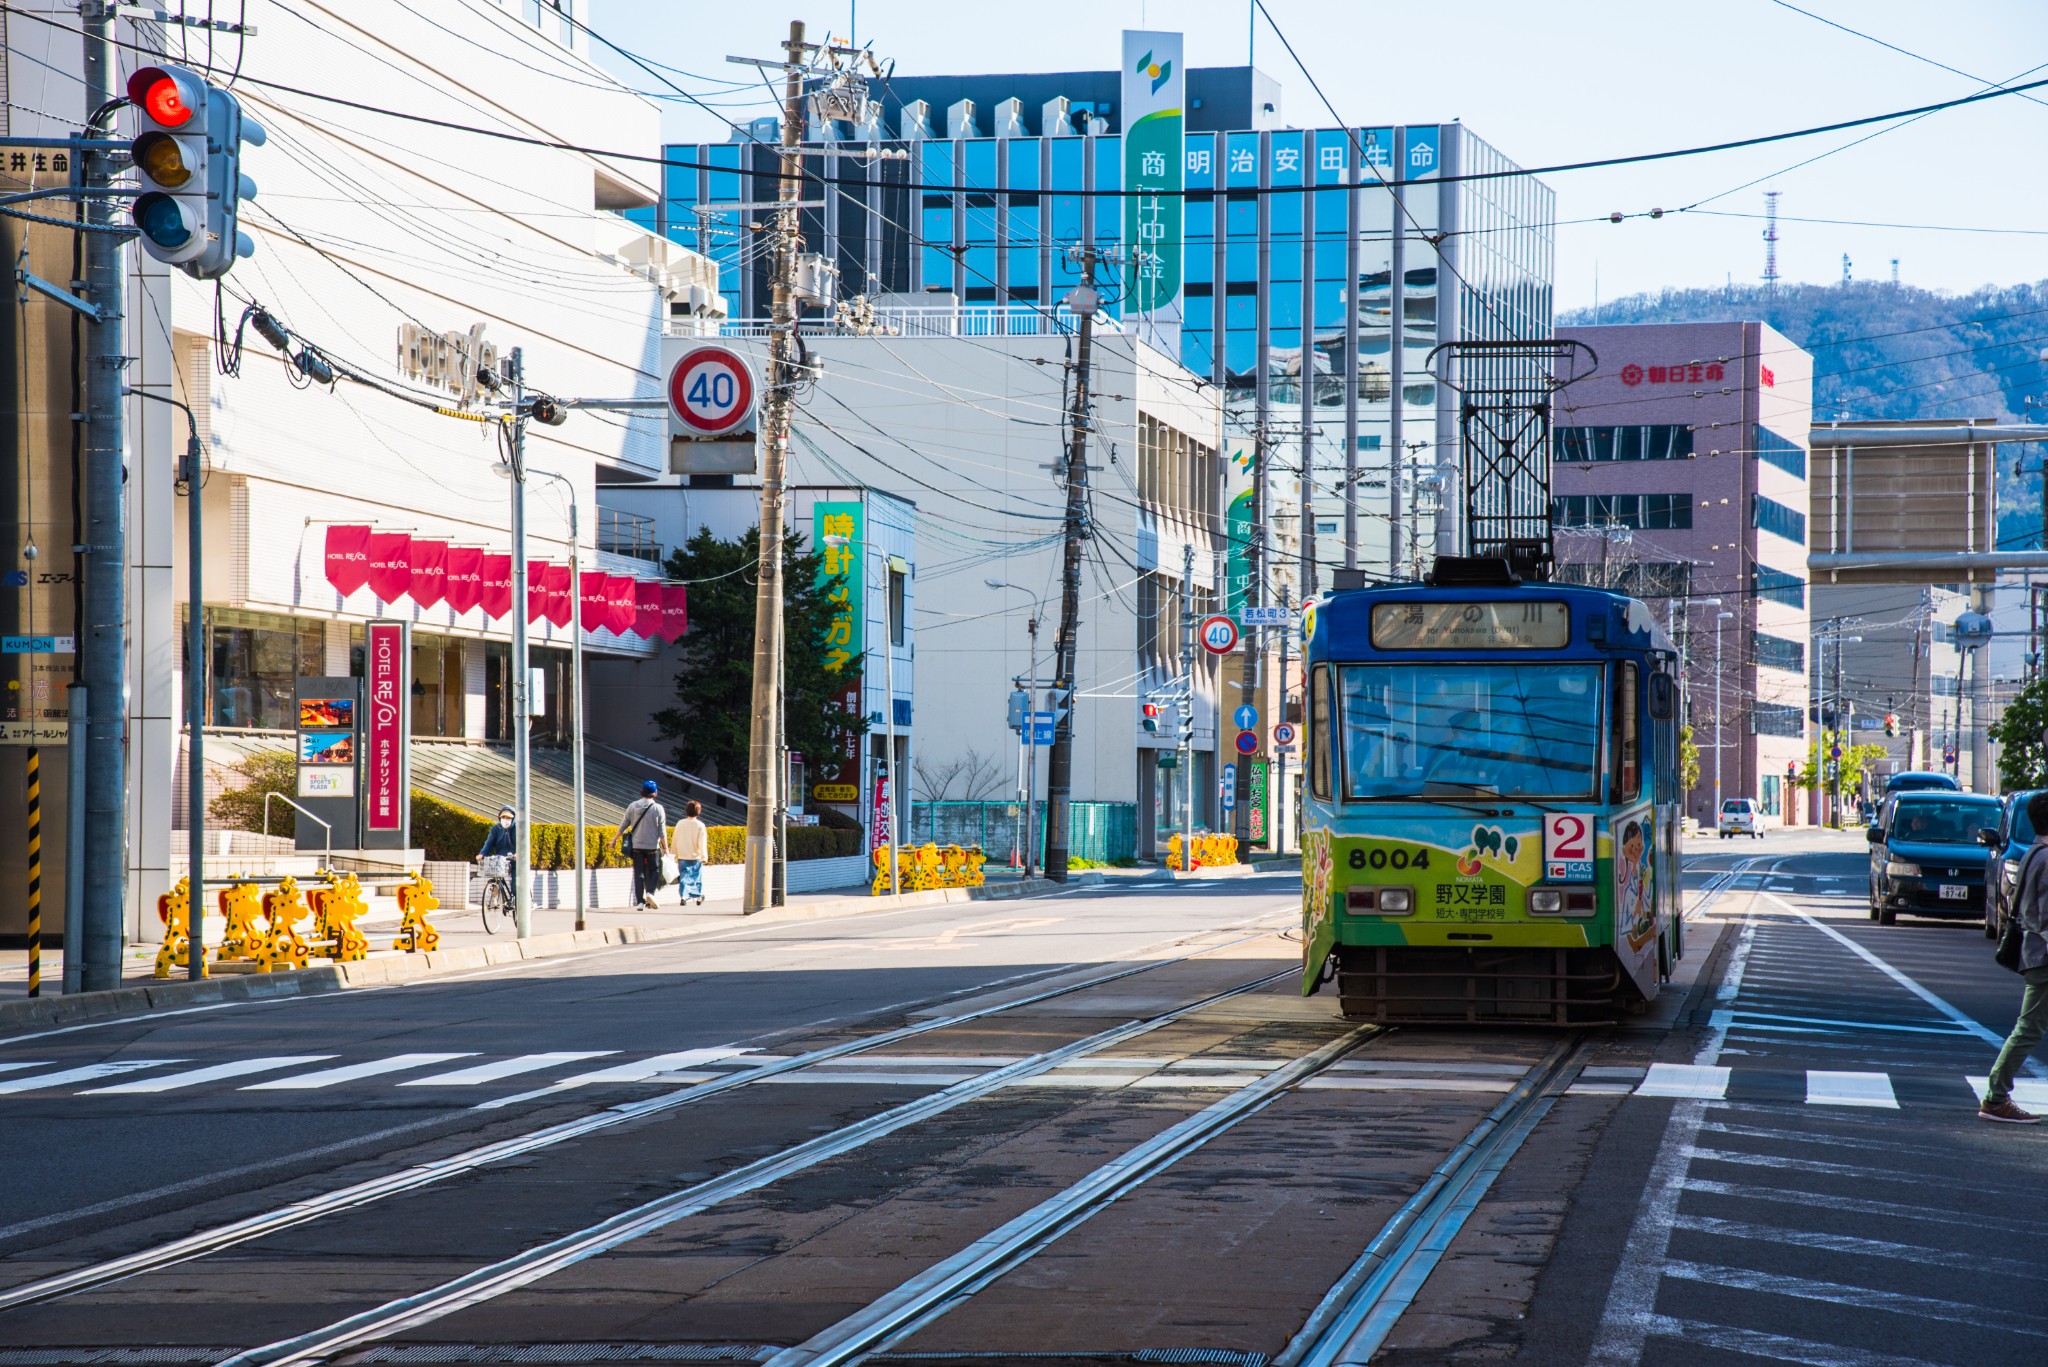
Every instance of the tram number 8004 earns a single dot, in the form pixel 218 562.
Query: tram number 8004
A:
pixel 1379 858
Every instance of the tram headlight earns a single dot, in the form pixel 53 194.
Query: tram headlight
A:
pixel 1396 901
pixel 1899 868
pixel 1546 901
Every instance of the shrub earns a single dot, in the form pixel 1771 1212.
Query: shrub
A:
pixel 241 808
pixel 725 845
pixel 445 830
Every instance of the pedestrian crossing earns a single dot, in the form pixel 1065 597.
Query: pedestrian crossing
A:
pixel 427 1076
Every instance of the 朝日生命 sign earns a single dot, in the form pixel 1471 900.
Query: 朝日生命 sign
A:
pixel 710 393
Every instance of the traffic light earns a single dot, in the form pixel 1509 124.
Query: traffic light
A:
pixel 187 153
pixel 1891 723
pixel 170 154
pixel 1152 718
pixel 1020 703
pixel 545 411
pixel 1791 774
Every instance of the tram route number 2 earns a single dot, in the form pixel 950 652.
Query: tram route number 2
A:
pixel 1567 847
pixel 1380 857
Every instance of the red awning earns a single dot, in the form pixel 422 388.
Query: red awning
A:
pixel 497 585
pixel 675 611
pixel 555 598
pixel 390 564
pixel 429 572
pixel 597 605
pixel 465 579
pixel 622 595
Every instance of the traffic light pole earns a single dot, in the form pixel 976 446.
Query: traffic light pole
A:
pixel 102 653
pixel 522 663
pixel 1059 765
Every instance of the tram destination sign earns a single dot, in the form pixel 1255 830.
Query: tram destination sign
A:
pixel 1517 625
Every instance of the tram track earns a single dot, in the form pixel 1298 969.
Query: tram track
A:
pixel 416 1177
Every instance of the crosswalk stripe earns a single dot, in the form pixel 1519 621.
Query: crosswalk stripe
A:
pixel 2024 1092
pixel 173 1081
pixel 505 1067
pixel 85 1074
pixel 1691 1081
pixel 1850 1089
pixel 350 1072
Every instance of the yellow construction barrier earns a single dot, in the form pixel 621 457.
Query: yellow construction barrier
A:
pixel 283 946
pixel 240 905
pixel 923 867
pixel 174 908
pixel 415 899
pixel 335 908
pixel 1209 849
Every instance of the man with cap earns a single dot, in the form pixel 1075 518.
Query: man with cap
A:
pixel 642 831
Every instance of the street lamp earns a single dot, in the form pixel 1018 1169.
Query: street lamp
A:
pixel 885 819
pixel 1719 618
pixel 1027 759
pixel 523 910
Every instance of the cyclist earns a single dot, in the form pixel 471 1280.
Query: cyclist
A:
pixel 499 841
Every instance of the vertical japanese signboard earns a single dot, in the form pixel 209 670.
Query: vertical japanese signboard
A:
pixel 328 740
pixel 1155 166
pixel 836 778
pixel 1239 477
pixel 387 729
pixel 1257 802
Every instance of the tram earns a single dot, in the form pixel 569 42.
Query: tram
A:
pixel 1490 806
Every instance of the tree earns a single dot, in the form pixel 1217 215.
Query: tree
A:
pixel 1856 760
pixel 240 808
pixel 976 775
pixel 2022 758
pixel 709 723
pixel 1688 760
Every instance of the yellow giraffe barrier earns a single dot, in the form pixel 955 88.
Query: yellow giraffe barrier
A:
pixel 416 935
pixel 239 907
pixel 174 908
pixel 283 946
pixel 335 909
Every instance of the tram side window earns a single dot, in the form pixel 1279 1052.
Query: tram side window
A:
pixel 1628 736
pixel 1319 738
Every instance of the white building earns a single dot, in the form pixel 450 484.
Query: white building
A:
pixel 373 230
pixel 958 415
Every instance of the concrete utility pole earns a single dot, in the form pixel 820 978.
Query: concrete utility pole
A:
pixel 522 665
pixel 1059 769
pixel 764 783
pixel 102 654
pixel 1719 618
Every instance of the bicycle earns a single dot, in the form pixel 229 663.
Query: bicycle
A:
pixel 497 891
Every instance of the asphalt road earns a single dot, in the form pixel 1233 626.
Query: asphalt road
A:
pixel 100 1157
pixel 1779 1163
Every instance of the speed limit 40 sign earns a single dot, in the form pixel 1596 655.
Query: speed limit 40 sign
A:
pixel 710 393
pixel 1219 634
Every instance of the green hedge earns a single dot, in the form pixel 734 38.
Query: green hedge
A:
pixel 728 844
pixel 446 831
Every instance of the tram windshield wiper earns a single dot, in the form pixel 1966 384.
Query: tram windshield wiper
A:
pixel 1445 785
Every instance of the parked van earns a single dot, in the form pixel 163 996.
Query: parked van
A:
pixel 1741 816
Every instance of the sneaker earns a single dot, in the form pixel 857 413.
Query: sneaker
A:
pixel 2007 1112
pixel 648 901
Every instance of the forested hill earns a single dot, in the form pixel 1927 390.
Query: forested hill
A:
pixel 1893 351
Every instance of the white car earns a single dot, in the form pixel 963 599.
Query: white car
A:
pixel 1741 816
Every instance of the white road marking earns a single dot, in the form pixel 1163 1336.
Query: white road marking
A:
pixel 1850 1089
pixel 505 1067
pixel 85 1074
pixel 1777 1347
pixel 1690 1081
pixel 218 1071
pixel 1860 1297
pixel 350 1072
pixel 1920 1255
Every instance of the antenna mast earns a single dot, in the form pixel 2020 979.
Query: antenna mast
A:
pixel 1771 241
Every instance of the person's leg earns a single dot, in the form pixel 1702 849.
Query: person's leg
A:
pixel 2027 1032
pixel 639 876
pixel 693 877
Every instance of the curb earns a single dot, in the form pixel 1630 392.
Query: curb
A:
pixel 389 967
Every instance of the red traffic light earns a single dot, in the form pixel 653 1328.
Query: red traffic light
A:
pixel 1151 709
pixel 164 96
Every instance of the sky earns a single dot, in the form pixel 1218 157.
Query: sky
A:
pixel 1572 81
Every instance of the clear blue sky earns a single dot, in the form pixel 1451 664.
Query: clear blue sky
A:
pixel 1580 80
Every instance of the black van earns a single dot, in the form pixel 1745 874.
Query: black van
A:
pixel 1925 857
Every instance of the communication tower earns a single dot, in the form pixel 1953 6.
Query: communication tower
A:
pixel 1771 241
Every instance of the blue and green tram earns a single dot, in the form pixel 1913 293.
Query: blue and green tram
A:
pixel 1490 807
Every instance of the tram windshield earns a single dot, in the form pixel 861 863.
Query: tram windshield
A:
pixel 1485 729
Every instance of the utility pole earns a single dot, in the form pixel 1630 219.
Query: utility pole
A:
pixel 522 664
pixel 1283 805
pixel 1059 770
pixel 764 783
pixel 102 654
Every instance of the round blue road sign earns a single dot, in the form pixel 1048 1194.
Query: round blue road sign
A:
pixel 1246 716
pixel 1247 742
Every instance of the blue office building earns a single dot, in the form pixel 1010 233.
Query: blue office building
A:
pixel 1300 247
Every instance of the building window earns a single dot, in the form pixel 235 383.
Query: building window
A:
pixel 1776 652
pixel 1772 784
pixel 1643 579
pixel 1778 719
pixel 1776 586
pixel 898 583
pixel 1775 450
pixel 1774 517
pixel 1657 441
pixel 254 663
pixel 1642 512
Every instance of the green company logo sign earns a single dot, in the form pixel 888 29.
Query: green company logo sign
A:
pixel 1155 160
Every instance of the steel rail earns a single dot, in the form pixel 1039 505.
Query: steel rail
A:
pixel 1356 1313
pixel 543 1260
pixel 372 1190
pixel 936 1290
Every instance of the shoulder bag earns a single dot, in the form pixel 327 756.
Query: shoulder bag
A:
pixel 2012 939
